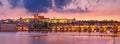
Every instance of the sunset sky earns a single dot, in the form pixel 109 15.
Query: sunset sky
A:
pixel 79 9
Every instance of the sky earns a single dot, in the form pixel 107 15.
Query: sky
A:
pixel 69 9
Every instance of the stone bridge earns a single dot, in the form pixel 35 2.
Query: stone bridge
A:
pixel 86 28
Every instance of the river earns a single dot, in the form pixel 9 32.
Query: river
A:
pixel 56 38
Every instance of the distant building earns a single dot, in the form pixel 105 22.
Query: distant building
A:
pixel 41 18
pixel 22 25
pixel 28 20
pixel 60 20
pixel 7 21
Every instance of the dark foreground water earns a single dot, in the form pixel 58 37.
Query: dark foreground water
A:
pixel 56 38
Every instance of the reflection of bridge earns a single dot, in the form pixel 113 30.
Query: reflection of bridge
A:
pixel 86 28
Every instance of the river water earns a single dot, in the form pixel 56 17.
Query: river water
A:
pixel 56 38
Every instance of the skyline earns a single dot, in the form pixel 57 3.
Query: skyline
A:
pixel 86 10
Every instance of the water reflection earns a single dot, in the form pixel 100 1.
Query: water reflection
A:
pixel 57 38
pixel 38 40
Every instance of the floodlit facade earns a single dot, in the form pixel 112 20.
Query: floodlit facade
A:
pixel 60 20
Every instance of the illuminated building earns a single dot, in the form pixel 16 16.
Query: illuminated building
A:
pixel 36 17
pixel 8 21
pixel 28 20
pixel 22 25
pixel 43 19
pixel 40 18
pixel 60 20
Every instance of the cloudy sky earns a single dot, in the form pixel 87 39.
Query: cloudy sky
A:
pixel 79 9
